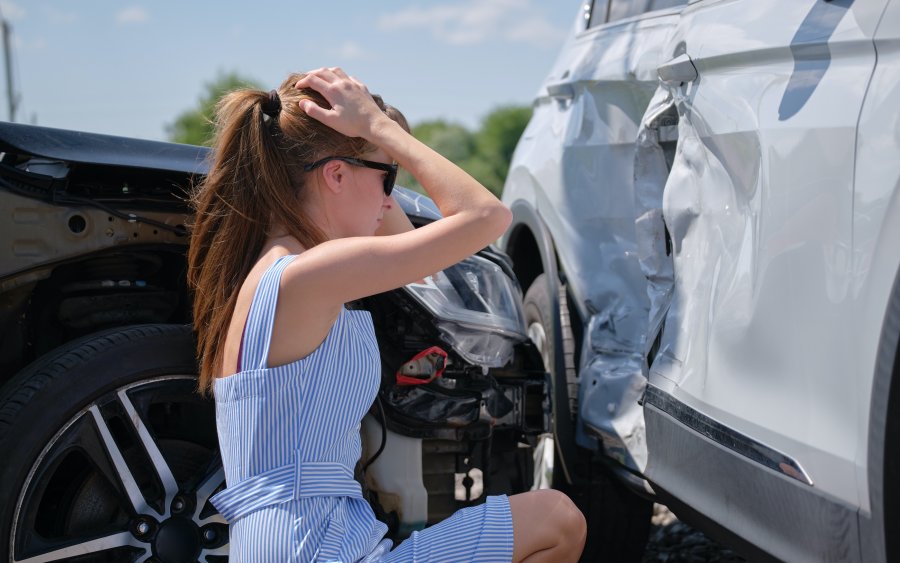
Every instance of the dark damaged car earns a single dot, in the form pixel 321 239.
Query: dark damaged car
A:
pixel 110 454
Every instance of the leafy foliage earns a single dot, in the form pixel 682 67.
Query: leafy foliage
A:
pixel 499 134
pixel 195 126
pixel 485 153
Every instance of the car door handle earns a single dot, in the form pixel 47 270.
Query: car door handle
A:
pixel 561 91
pixel 679 70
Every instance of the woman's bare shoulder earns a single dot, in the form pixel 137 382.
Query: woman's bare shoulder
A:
pixel 304 315
pixel 242 306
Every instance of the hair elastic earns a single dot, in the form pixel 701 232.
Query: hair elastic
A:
pixel 272 105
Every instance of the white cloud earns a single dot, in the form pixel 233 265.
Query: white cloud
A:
pixel 134 14
pixel 11 10
pixel 472 21
pixel 351 51
pixel 537 31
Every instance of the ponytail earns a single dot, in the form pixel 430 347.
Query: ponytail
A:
pixel 256 179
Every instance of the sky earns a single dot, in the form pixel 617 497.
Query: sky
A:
pixel 130 69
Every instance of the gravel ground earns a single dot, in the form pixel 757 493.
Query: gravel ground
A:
pixel 676 542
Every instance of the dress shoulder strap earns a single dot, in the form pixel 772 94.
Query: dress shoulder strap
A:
pixel 260 320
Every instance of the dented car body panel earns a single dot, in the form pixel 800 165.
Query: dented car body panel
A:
pixel 760 208
pixel 592 102
pixel 756 209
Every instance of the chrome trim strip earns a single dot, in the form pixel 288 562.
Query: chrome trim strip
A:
pixel 725 436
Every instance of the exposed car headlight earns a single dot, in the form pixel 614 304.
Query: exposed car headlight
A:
pixel 478 310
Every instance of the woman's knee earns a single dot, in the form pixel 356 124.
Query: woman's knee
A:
pixel 570 524
pixel 547 521
pixel 570 519
pixel 558 514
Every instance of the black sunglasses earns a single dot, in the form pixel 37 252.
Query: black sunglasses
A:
pixel 391 169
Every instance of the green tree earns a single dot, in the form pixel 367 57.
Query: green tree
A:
pixel 496 140
pixel 195 126
pixel 485 154
pixel 453 141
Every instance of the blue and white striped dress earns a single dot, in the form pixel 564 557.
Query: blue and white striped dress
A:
pixel 289 438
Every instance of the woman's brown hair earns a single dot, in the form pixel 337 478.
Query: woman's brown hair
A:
pixel 255 180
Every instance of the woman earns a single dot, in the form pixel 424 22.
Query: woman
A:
pixel 294 220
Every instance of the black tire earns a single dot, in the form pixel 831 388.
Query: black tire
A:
pixel 618 520
pixel 537 312
pixel 539 321
pixel 890 507
pixel 110 453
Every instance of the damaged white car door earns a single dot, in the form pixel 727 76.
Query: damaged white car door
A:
pixel 746 239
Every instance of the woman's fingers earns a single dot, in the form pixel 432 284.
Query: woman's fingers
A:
pixel 353 110
pixel 321 76
pixel 331 82
pixel 359 84
pixel 313 81
pixel 314 110
pixel 329 75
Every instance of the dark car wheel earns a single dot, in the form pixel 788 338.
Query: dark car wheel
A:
pixel 110 454
pixel 549 470
pixel 618 520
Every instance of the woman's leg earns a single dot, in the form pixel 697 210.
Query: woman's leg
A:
pixel 547 526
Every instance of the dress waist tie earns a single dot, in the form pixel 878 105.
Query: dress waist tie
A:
pixel 289 482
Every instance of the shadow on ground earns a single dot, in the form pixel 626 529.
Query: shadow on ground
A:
pixel 673 541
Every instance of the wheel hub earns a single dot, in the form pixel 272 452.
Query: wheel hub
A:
pixel 177 541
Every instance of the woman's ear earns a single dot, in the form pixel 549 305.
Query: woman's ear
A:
pixel 334 174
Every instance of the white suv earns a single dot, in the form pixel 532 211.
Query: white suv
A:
pixel 708 228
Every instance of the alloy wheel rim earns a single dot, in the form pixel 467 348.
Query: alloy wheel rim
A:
pixel 543 452
pixel 538 336
pixel 106 468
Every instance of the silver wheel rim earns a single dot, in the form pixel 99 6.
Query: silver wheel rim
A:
pixel 543 452
pixel 178 506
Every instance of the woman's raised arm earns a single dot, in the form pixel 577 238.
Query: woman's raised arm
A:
pixel 350 268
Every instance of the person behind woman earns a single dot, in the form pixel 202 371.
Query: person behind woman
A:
pixel 294 220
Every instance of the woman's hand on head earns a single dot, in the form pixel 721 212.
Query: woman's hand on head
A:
pixel 353 112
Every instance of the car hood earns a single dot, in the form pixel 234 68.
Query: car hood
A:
pixel 95 148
